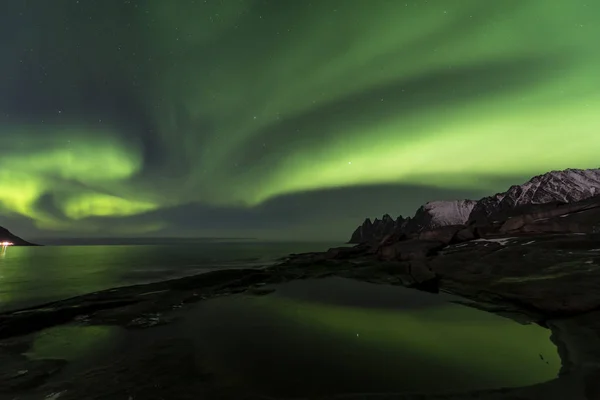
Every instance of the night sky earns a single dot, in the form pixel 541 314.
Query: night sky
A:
pixel 283 119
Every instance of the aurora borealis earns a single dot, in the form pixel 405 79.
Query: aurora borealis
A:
pixel 253 117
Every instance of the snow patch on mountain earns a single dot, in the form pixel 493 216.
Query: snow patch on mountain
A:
pixel 449 212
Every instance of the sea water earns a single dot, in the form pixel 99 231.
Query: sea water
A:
pixel 34 275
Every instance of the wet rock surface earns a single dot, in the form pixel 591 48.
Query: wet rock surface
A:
pixel 19 373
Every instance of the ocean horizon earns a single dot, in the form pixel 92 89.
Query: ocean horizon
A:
pixel 31 276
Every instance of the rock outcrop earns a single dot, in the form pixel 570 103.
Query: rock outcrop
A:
pixel 524 272
pixel 542 192
pixel 431 215
pixel 7 236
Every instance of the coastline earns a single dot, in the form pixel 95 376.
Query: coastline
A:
pixel 556 291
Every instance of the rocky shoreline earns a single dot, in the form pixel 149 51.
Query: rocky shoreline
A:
pixel 538 267
pixel 561 294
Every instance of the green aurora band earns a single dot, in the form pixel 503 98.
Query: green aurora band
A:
pixel 246 101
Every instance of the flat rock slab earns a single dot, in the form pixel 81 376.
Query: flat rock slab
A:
pixel 556 275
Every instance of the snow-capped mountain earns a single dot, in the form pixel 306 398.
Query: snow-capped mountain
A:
pixel 566 186
pixel 441 213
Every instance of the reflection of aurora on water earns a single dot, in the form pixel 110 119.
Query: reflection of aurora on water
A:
pixel 393 340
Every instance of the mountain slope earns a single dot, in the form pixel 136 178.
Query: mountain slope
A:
pixel 568 186
pixel 7 236
pixel 435 214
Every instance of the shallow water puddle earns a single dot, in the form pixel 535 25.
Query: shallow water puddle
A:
pixel 73 342
pixel 341 336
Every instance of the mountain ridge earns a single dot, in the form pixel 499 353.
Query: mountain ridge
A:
pixel 557 186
